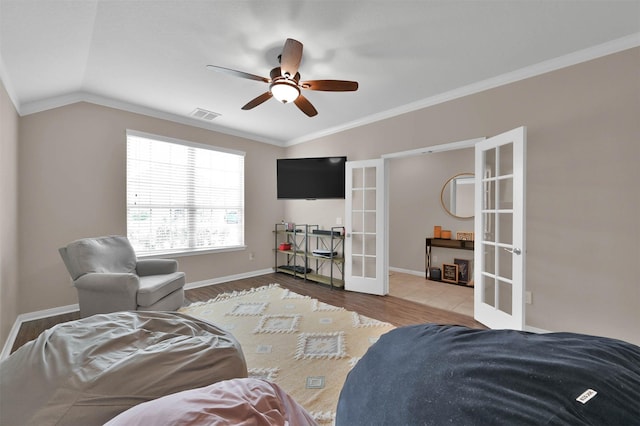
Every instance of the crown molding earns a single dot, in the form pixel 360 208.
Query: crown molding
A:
pixel 564 61
pixel 72 98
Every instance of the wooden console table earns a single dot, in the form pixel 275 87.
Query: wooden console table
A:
pixel 438 242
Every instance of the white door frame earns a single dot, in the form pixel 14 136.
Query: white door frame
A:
pixel 469 143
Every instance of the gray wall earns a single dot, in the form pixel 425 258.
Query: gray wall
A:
pixel 583 202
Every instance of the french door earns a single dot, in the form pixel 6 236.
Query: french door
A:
pixel 499 230
pixel 366 227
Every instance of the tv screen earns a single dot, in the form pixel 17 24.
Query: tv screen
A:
pixel 311 178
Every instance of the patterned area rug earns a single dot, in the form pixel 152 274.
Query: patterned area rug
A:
pixel 305 346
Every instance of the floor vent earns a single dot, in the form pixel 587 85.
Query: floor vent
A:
pixel 203 114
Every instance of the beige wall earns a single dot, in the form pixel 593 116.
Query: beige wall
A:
pixel 414 203
pixel 414 207
pixel 8 214
pixel 72 185
pixel 583 202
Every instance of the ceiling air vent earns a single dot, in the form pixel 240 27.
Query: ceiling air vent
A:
pixel 203 114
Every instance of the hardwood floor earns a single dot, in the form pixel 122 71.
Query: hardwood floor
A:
pixel 391 309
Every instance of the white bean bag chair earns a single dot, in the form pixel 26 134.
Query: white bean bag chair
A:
pixel 88 371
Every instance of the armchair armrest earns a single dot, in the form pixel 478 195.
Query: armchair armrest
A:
pixel 146 267
pixel 124 283
pixel 107 292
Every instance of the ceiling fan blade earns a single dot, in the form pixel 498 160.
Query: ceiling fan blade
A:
pixel 305 106
pixel 237 73
pixel 257 101
pixel 291 57
pixel 330 85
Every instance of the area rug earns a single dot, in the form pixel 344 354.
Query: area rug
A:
pixel 304 345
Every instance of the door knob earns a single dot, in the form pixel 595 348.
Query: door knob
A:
pixel 514 250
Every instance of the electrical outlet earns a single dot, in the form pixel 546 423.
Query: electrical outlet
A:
pixel 434 259
pixel 338 221
pixel 528 297
pixel 252 255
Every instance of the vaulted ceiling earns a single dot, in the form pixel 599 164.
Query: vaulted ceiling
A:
pixel 151 56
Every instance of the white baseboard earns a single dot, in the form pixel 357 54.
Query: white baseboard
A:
pixel 30 316
pixel 408 271
pixel 10 339
pixel 536 330
pixel 214 281
pixel 45 313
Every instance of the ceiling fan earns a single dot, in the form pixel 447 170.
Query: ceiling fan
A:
pixel 284 81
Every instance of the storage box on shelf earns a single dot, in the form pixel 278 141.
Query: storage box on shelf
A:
pixel 308 252
pixel 444 243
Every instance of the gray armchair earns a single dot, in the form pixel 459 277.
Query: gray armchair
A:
pixel 109 277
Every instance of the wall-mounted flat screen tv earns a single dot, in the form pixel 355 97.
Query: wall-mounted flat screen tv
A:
pixel 311 178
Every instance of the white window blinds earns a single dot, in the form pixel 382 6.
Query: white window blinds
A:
pixel 183 197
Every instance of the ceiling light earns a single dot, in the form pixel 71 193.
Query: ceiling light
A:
pixel 285 91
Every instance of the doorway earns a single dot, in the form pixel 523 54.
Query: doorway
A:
pixel 499 226
pixel 416 180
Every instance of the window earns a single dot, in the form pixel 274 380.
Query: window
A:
pixel 182 196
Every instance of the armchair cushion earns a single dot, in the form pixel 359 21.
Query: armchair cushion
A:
pixel 154 287
pixel 102 255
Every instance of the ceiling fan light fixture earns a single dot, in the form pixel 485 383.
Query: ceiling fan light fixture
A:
pixel 284 82
pixel 284 91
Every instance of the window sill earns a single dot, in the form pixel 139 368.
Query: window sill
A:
pixel 185 253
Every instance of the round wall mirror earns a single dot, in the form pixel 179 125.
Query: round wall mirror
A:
pixel 458 195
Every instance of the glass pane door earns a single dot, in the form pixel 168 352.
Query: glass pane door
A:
pixel 366 260
pixel 499 257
